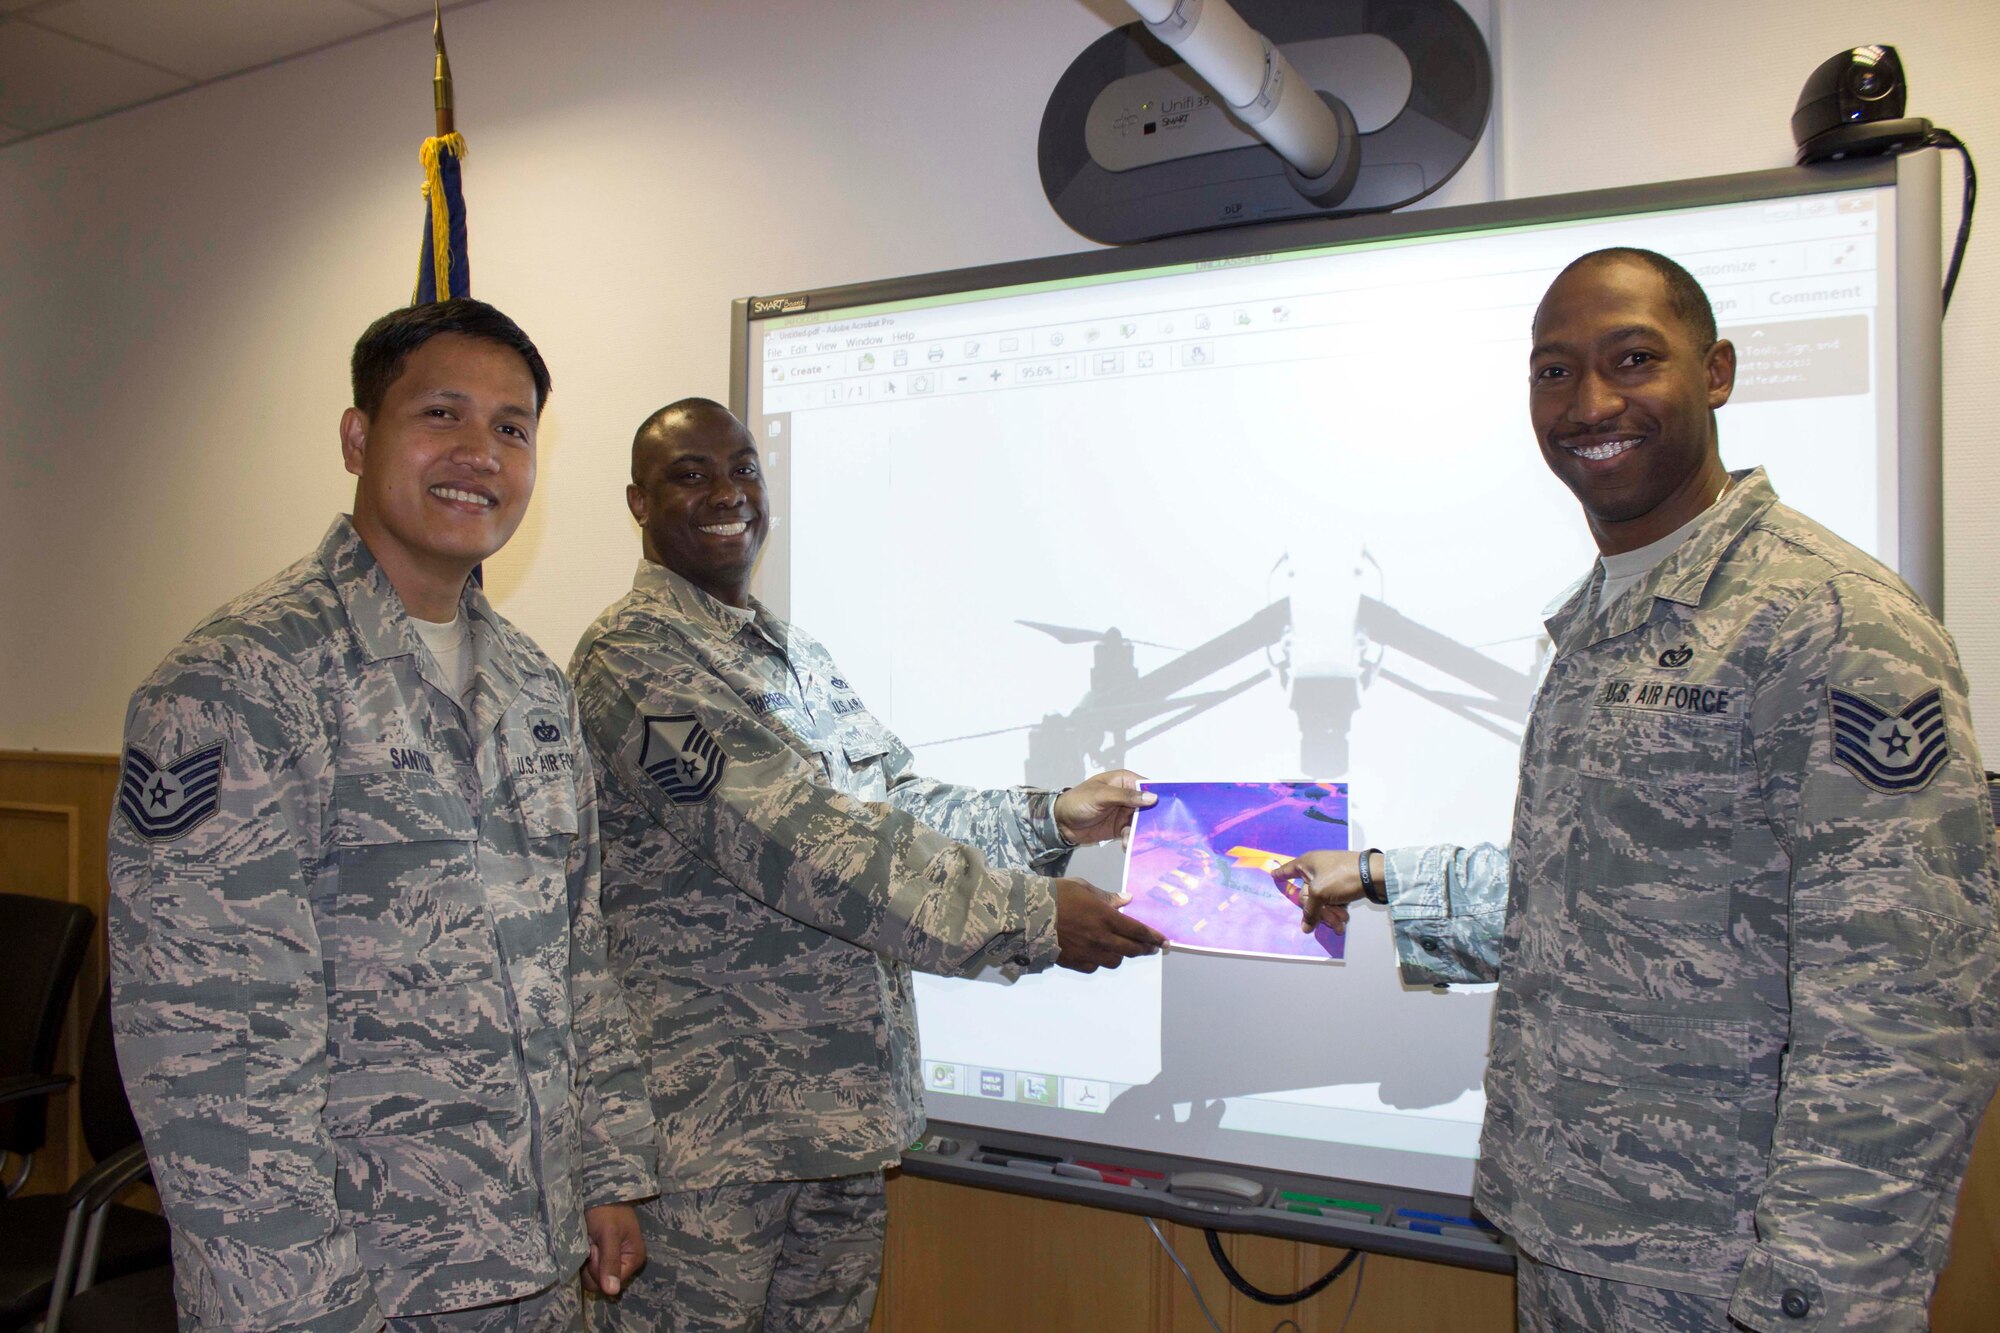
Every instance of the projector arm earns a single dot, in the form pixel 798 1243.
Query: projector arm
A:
pixel 1313 131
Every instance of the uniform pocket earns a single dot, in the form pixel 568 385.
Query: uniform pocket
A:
pixel 401 889
pixel 413 1046
pixel 548 808
pixel 1648 1115
pixel 865 745
pixel 413 1094
pixel 1653 1049
pixel 386 809
pixel 1654 842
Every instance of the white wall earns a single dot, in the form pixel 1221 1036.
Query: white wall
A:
pixel 181 283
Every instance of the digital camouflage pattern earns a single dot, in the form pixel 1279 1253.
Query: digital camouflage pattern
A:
pixel 1749 1008
pixel 772 869
pixel 799 1256
pixel 556 1310
pixel 361 1003
pixel 1555 1300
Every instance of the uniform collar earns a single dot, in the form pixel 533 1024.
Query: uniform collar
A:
pixel 382 626
pixel 696 609
pixel 1682 577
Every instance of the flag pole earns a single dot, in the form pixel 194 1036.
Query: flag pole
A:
pixel 441 75
pixel 443 268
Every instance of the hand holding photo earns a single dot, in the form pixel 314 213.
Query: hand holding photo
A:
pixel 1198 869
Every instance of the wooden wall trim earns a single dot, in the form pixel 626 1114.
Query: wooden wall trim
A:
pixel 62 757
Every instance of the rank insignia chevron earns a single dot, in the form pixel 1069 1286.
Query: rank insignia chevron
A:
pixel 1891 752
pixel 681 758
pixel 164 803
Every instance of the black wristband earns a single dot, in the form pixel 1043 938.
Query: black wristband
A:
pixel 1373 892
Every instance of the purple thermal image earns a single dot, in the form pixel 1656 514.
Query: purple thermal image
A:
pixel 1198 870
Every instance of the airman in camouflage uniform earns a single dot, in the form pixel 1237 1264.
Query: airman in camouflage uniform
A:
pixel 1745 929
pixel 361 999
pixel 773 869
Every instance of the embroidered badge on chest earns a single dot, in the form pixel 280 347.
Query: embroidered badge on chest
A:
pixel 162 803
pixel 1891 752
pixel 681 758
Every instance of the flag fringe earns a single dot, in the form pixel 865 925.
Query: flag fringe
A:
pixel 440 210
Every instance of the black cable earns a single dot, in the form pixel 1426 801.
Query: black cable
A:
pixel 1243 1284
pixel 1942 138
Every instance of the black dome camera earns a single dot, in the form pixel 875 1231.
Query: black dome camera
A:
pixel 1852 106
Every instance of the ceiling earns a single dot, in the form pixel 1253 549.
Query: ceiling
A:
pixel 67 61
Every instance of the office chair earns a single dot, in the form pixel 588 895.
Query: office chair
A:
pixel 45 942
pixel 48 1241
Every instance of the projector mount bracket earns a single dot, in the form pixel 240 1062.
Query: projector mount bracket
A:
pixel 1135 146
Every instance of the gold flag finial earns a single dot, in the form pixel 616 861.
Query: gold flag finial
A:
pixel 441 76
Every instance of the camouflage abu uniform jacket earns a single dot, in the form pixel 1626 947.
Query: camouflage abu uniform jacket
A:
pixel 1749 1008
pixel 772 868
pixel 362 1006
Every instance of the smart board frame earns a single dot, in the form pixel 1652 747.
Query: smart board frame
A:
pixel 951 1150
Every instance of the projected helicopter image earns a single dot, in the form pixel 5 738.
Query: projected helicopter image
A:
pixel 1325 643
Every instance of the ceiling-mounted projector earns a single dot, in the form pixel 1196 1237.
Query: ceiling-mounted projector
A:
pixel 1208 114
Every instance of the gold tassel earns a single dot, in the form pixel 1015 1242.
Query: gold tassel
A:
pixel 440 216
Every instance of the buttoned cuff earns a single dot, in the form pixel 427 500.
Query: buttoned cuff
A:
pixel 1035 948
pixel 1446 934
pixel 1051 853
pixel 1775 1295
pixel 1419 905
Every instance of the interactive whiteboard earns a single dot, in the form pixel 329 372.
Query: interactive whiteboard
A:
pixel 1263 507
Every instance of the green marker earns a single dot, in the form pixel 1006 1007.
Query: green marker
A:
pixel 1321 1201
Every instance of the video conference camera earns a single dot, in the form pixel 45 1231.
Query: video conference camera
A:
pixel 1852 106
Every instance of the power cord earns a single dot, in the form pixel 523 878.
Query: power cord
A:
pixel 1942 138
pixel 1360 1274
pixel 1256 1293
pixel 1160 1236
pixel 1354 1299
pixel 1243 1285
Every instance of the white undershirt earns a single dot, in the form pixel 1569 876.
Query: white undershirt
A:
pixel 1627 569
pixel 450 643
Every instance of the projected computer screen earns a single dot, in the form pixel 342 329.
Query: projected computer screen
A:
pixel 1258 518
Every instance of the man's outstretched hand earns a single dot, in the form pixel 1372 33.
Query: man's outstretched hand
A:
pixel 1100 808
pixel 1093 933
pixel 1326 882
